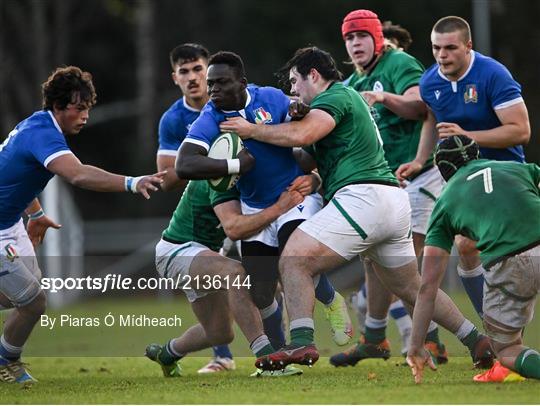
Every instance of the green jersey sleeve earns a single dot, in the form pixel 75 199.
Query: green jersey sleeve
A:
pixel 333 103
pixel 535 172
pixel 440 231
pixel 407 73
pixel 217 198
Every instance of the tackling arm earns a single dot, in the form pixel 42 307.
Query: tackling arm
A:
pixel 238 226
pixel 314 126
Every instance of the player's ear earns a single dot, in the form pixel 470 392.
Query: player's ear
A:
pixel 244 82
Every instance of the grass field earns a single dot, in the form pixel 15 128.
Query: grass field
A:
pixel 108 368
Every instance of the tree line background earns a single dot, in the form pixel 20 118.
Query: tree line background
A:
pixel 125 45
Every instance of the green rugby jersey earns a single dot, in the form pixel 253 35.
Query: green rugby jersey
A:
pixel 194 218
pixel 352 151
pixel 496 203
pixel 395 72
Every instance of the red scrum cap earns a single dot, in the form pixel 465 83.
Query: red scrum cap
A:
pixel 364 20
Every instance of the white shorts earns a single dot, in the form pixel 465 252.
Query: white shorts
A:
pixel 174 260
pixel 305 210
pixel 423 191
pixel 368 219
pixel 19 270
pixel 511 287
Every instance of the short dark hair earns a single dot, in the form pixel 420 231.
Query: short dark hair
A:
pixel 305 59
pixel 400 34
pixel 453 153
pixel 230 59
pixel 63 84
pixel 452 24
pixel 188 53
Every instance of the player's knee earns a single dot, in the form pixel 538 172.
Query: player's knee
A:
pixel 465 246
pixel 221 336
pixel 234 271
pixel 262 295
pixel 37 306
pixel 501 336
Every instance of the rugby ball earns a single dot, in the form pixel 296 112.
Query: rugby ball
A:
pixel 226 146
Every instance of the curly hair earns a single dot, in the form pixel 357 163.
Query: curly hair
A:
pixel 64 85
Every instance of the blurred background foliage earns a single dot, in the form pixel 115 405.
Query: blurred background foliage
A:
pixel 125 45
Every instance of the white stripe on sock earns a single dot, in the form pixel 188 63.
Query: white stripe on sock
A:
pixel 270 310
pixel 432 326
pixel 528 353
pixel 479 270
pixel 465 329
pixel 305 322
pixel 259 343
pixel 11 348
pixel 376 323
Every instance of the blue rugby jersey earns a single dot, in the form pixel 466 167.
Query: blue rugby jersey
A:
pixel 24 156
pixel 275 167
pixel 472 100
pixel 174 126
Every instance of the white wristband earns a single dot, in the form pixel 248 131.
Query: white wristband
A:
pixel 130 183
pixel 134 184
pixel 36 215
pixel 233 166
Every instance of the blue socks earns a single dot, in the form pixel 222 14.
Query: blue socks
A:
pixel 272 319
pixel 222 351
pixel 473 282
pixel 324 291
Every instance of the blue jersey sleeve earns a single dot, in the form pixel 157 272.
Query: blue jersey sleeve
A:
pixel 48 145
pixel 503 89
pixel 205 129
pixel 169 139
pixel 282 103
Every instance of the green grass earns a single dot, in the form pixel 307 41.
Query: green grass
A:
pixel 108 368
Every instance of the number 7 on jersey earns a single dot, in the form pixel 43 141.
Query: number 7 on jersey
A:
pixel 486 174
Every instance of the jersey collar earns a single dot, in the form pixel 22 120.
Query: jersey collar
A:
pixel 473 57
pixel 54 121
pixel 243 111
pixel 188 107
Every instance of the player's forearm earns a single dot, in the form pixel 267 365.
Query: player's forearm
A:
pixel 428 140
pixel 33 207
pixel 291 134
pixel 171 182
pixel 505 136
pixel 241 227
pixel 405 106
pixel 200 167
pixel 422 315
pixel 97 179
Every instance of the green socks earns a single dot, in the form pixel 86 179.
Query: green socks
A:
pixel 433 336
pixel 528 364
pixel 302 336
pixel 267 349
pixel 471 339
pixel 375 335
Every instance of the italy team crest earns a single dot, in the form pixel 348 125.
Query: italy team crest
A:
pixel 262 116
pixel 11 253
pixel 470 96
